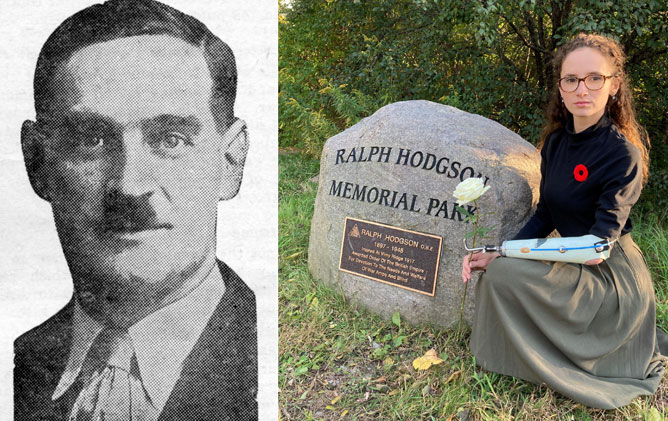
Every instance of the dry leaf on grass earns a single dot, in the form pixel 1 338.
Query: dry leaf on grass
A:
pixel 453 376
pixel 427 360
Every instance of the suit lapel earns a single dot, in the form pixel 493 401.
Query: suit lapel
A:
pixel 218 381
pixel 219 377
pixel 40 359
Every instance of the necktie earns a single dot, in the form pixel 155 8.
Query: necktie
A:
pixel 114 391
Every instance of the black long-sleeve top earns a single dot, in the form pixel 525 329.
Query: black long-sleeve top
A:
pixel 589 182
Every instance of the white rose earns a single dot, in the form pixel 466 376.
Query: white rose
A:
pixel 469 190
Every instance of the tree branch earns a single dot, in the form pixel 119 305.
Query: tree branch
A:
pixel 509 62
pixel 522 38
pixel 531 27
pixel 541 26
pixel 539 55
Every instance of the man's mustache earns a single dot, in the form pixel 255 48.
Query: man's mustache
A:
pixel 130 213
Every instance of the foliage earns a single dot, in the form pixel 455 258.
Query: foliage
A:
pixel 654 198
pixel 340 60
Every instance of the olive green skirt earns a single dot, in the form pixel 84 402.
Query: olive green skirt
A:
pixel 587 332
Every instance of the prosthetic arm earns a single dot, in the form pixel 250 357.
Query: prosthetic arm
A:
pixel 562 249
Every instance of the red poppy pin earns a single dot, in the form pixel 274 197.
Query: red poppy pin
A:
pixel 580 172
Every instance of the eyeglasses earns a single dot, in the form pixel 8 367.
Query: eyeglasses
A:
pixel 593 82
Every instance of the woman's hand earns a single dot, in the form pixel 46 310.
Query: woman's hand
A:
pixel 479 261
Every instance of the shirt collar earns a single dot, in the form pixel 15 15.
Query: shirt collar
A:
pixel 590 131
pixel 161 340
pixel 84 331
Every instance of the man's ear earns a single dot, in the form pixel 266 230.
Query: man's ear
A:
pixel 32 144
pixel 234 156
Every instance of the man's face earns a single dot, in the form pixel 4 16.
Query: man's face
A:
pixel 134 164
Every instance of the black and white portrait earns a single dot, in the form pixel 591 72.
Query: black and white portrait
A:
pixel 138 184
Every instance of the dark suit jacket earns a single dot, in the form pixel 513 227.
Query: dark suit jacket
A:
pixel 218 381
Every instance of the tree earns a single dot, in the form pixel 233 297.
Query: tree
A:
pixel 490 57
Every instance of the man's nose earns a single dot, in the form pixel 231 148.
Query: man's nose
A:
pixel 131 173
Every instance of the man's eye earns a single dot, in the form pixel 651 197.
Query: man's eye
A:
pixel 173 140
pixel 89 141
pixel 169 140
pixel 92 142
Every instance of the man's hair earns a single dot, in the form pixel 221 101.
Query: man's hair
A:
pixel 126 18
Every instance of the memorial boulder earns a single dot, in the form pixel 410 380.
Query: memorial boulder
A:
pixel 385 230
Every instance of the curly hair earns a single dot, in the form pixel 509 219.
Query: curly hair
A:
pixel 620 110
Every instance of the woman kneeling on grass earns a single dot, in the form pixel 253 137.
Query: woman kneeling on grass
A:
pixel 587 331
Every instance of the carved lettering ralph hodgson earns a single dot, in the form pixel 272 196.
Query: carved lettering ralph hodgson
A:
pixel 406 201
pixel 450 168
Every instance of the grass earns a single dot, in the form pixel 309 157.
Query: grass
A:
pixel 651 235
pixel 337 361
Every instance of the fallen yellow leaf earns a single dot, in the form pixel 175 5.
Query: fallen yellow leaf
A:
pixel 427 360
pixel 292 256
pixel 336 399
pixel 343 414
pixel 452 376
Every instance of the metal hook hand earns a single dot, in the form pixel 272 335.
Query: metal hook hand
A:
pixel 482 249
pixel 474 249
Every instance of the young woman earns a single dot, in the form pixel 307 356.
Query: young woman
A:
pixel 587 331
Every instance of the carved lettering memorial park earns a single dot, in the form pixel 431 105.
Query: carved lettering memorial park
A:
pixel 385 230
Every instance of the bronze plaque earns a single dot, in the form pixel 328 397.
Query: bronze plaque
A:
pixel 391 255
